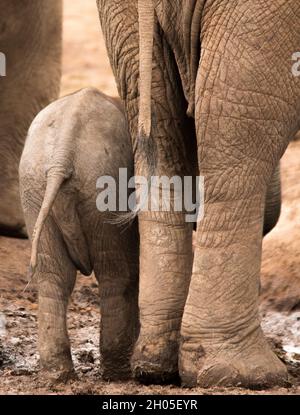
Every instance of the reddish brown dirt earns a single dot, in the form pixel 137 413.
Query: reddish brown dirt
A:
pixel 86 64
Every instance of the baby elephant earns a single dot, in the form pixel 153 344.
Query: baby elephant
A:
pixel 70 144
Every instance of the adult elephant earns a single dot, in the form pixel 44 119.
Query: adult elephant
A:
pixel 30 44
pixel 225 68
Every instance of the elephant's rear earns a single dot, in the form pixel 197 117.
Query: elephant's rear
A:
pixel 70 144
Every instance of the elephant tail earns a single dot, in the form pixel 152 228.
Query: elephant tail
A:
pixel 146 35
pixel 54 182
pixel 145 143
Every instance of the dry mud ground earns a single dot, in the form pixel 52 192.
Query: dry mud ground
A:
pixel 85 63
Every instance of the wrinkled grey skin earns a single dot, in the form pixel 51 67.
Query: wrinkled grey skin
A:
pixel 70 144
pixel 31 39
pixel 227 64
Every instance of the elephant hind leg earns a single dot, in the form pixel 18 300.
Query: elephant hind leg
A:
pixel 239 146
pixel 116 269
pixel 55 275
pixel 56 282
pixel 166 238
pixel 273 203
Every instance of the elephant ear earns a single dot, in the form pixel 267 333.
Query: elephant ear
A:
pixel 146 35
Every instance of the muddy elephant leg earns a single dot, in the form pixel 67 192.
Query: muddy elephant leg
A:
pixel 273 202
pixel 242 132
pixel 56 277
pixel 222 340
pixel 166 240
pixel 165 269
pixel 116 269
pixel 165 237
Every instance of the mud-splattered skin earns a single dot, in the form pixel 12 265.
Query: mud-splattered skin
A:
pixel 246 105
pixel 77 140
pixel 30 38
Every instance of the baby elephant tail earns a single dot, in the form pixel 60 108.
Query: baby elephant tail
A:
pixel 54 182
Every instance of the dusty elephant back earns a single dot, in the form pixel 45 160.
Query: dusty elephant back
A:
pixel 91 131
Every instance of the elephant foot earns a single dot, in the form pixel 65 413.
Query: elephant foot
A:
pixel 115 360
pixel 56 376
pixel 114 375
pixel 156 362
pixel 114 370
pixel 252 367
pixel 58 369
